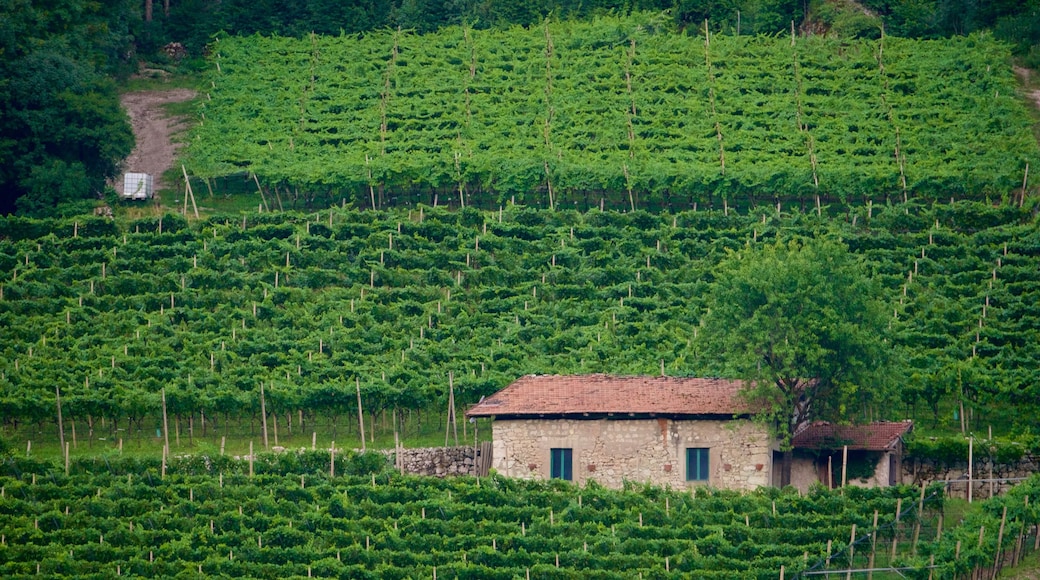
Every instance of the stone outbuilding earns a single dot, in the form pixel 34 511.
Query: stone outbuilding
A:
pixel 873 454
pixel 673 431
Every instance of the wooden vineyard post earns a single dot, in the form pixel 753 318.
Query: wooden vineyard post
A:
pixel 628 186
pixel 263 416
pixel 250 459
pixel 1021 535
pixel 458 173
pixel 451 422
pixel 982 533
pixel 844 465
pixel 262 196
pixel 631 112
pixel 187 187
pixel 711 98
pixel 61 424
pixel 165 425
pixel 1025 182
pixel 360 413
pixel 998 558
pixel 66 449
pixel 371 188
pixel 873 547
pixel 398 460
pixel 917 524
pixel 971 457
pixel 852 552
pixel 895 530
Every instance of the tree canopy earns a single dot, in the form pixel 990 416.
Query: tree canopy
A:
pixel 62 131
pixel 804 324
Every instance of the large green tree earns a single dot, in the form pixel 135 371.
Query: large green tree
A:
pixel 62 131
pixel 804 325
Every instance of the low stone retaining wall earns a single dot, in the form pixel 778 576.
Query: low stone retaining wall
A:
pixel 1007 475
pixel 437 461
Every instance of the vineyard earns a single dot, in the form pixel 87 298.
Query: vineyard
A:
pixel 612 112
pixel 395 305
pixel 292 518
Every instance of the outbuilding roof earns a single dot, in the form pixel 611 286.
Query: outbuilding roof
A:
pixel 877 436
pixel 600 394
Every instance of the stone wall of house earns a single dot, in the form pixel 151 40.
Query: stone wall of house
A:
pixel 612 451
pixel 917 471
pixel 437 461
pixel 808 470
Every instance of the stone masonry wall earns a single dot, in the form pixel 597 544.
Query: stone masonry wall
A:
pixel 612 451
pixel 917 471
pixel 437 461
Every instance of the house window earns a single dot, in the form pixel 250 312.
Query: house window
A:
pixel 560 463
pixel 696 464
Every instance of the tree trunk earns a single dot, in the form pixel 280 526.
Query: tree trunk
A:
pixel 147 10
pixel 785 468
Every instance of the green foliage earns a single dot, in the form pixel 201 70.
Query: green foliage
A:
pixel 115 311
pixel 389 526
pixel 195 22
pixel 846 19
pixel 804 325
pixel 1012 21
pixel 567 114
pixel 62 131
pixel 752 16
pixel 953 450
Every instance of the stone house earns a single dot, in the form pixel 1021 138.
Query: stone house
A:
pixel 679 432
pixel 873 454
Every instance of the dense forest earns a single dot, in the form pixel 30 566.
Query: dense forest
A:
pixel 63 135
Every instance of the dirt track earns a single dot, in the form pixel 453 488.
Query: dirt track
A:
pixel 1025 74
pixel 153 129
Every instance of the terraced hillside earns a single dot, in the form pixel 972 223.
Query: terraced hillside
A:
pixel 314 306
pixel 623 112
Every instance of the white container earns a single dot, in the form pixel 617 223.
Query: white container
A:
pixel 137 186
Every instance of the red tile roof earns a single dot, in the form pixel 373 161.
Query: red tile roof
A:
pixel 535 395
pixel 877 436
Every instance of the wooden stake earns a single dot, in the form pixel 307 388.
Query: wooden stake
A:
pixel 971 456
pixel 998 557
pixel 895 530
pixel 261 190
pixel 917 524
pixel 187 184
pixel 360 412
pixel 61 423
pixel 1025 181
pixel 263 416
pixel 852 551
pixel 844 464
pixel 873 547
pixel 165 424
pixel 451 422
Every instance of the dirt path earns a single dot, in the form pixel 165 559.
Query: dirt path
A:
pixel 153 129
pixel 1025 75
